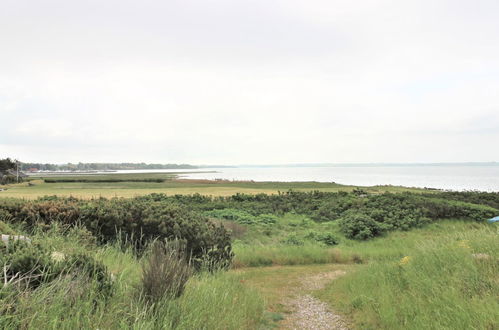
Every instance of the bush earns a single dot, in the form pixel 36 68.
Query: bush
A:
pixel 5 229
pixel 139 220
pixel 359 226
pixel 267 219
pixel 166 272
pixel 27 264
pixel 325 238
pixel 233 215
pixel 32 264
pixel 293 240
pixel 86 266
pixel 235 230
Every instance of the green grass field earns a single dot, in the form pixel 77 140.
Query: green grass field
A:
pixel 444 276
pixel 424 278
pixel 170 186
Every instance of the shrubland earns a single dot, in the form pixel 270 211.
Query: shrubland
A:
pixel 159 261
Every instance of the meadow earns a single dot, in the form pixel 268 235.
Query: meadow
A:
pixel 413 259
pixel 131 185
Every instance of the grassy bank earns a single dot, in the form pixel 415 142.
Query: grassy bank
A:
pixel 435 279
pixel 74 303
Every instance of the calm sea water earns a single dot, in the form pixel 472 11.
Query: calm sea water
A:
pixel 456 177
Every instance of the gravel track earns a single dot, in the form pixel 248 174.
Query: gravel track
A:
pixel 308 312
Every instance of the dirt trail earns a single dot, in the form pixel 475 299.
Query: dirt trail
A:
pixel 307 312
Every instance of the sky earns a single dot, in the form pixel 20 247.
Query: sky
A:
pixel 249 82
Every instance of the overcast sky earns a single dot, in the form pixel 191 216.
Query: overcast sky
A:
pixel 257 81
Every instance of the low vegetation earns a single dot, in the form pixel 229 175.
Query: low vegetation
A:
pixel 133 185
pixel 159 261
pixel 446 280
pixel 65 278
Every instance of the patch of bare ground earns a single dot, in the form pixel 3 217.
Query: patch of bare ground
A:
pixel 308 312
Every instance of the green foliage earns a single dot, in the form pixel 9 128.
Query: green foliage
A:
pixel 359 226
pixel 323 237
pixel 210 300
pixel 5 229
pixel 32 264
pixel 86 266
pixel 112 230
pixel 29 264
pixel 138 220
pixel 267 219
pixel 444 283
pixel 232 215
pixel 388 211
pixel 293 239
pixel 242 217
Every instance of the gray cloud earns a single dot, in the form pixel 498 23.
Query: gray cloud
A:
pixel 249 81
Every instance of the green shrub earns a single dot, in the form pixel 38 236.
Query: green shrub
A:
pixel 27 264
pixel 293 239
pixel 325 238
pixel 138 220
pixel 235 230
pixel 5 229
pixel 32 264
pixel 85 266
pixel 268 219
pixel 233 215
pixel 359 226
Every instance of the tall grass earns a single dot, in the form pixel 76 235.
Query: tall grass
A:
pixel 282 254
pixel 450 283
pixel 210 301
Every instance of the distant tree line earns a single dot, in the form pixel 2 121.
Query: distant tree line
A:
pixel 102 166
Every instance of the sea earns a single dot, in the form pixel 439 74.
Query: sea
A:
pixel 458 177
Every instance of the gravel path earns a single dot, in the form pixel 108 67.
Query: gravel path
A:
pixel 308 312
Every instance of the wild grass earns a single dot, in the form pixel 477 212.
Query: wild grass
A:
pixel 445 283
pixel 282 254
pixel 261 247
pixel 209 301
pixel 425 278
pixel 166 271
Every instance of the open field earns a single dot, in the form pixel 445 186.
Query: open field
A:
pixel 171 186
pixel 361 260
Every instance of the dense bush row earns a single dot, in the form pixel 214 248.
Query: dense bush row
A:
pixel 361 216
pixel 186 217
pixel 140 221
